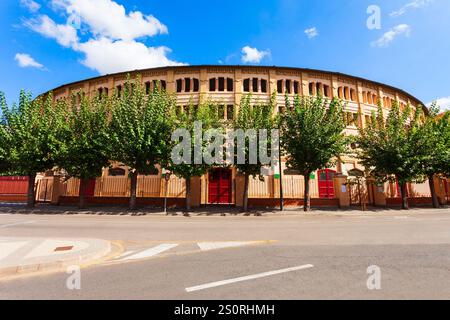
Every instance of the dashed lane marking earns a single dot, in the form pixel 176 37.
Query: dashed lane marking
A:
pixel 131 255
pixel 246 278
pixel 206 246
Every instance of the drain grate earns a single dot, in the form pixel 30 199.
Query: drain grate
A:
pixel 63 248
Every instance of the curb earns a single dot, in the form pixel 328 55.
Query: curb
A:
pixel 56 265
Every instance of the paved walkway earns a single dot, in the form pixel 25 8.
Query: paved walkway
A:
pixel 22 255
pixel 46 209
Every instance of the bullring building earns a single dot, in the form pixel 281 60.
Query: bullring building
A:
pixel 226 85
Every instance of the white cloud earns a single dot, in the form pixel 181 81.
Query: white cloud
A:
pixel 107 18
pixel 108 56
pixel 312 32
pixel 112 34
pixel 390 35
pixel 444 103
pixel 30 5
pixel 26 61
pixel 64 34
pixel 253 55
pixel 415 4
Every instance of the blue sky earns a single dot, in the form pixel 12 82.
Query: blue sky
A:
pixel 46 43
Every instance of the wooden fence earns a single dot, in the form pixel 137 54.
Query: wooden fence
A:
pixel 147 187
pixel 293 187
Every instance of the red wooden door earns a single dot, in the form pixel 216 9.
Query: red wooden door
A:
pixel 219 187
pixel 326 183
pixel 90 188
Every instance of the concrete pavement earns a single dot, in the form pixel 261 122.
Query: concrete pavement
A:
pixel 19 255
pixel 250 257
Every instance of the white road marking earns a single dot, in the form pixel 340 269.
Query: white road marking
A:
pixel 206 246
pixel 150 252
pixel 6 248
pixel 246 278
pixel 16 224
pixel 126 253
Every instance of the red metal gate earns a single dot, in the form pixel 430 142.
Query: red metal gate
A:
pixel 326 184
pixel 13 185
pixel 219 187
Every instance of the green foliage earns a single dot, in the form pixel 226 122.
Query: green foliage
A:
pixel 257 117
pixel 141 127
pixel 392 147
pixel 86 149
pixel 5 141
pixel 205 113
pixel 313 134
pixel 33 133
pixel 434 137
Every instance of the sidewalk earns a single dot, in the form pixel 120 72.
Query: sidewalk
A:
pixel 46 209
pixel 23 255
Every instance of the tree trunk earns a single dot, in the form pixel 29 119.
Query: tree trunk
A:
pixel 245 204
pixel 307 196
pixel 403 191
pixel 82 196
pixel 133 201
pixel 434 196
pixel 31 195
pixel 188 195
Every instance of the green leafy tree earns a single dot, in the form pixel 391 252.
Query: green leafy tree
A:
pixel 391 149
pixel 141 128
pixel 34 131
pixel 312 136
pixel 257 117
pixel 5 142
pixel 205 114
pixel 434 142
pixel 86 149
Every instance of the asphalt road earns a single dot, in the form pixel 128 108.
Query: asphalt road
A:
pixel 309 257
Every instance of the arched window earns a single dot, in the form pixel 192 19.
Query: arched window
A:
pixel 287 86
pixel 346 93
pixel 246 85
pixel 187 85
pixel 102 92
pixel 280 86
pixel 374 99
pixel 255 84
pixel 296 87
pixel 311 88
pixel 263 85
pixel 179 83
pixel 341 92
pixel 326 91
pixel 353 94
pixel 212 84
pixel 221 84
pixel 230 85
pixel 319 91
pixel 196 84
